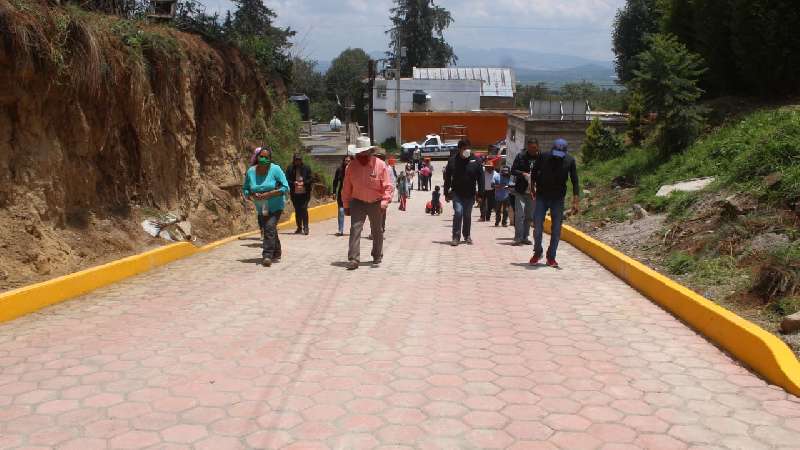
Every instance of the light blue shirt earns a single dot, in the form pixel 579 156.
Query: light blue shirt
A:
pixel 500 184
pixel 273 179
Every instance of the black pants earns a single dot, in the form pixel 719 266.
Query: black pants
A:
pixel 487 206
pixel 271 245
pixel 300 202
pixel 501 209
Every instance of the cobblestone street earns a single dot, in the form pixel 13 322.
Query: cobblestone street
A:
pixel 439 347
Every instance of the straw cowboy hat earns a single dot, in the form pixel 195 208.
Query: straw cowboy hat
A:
pixel 363 144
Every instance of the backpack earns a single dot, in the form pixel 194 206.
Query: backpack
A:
pixel 426 171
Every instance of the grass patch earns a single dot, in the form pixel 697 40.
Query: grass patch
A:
pixel 719 271
pixel 680 263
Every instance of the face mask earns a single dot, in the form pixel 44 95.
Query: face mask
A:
pixel 466 153
pixel 559 153
pixel 263 161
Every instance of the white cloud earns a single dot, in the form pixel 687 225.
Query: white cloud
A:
pixel 583 27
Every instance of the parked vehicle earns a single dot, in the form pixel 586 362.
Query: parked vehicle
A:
pixel 432 147
pixel 500 149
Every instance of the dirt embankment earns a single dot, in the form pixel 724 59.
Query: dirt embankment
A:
pixel 102 120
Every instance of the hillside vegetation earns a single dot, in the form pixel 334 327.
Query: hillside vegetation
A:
pixel 737 240
pixel 106 119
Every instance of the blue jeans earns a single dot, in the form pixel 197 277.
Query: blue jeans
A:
pixel 523 216
pixel 341 220
pixel 462 216
pixel 556 207
pixel 271 246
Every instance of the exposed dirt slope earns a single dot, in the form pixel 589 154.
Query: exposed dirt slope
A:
pixel 102 119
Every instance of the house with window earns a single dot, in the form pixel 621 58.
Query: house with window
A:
pixel 439 97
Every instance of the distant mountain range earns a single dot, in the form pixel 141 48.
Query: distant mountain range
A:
pixel 530 66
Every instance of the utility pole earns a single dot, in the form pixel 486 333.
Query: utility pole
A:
pixel 371 86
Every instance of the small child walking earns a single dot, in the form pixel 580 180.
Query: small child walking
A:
pixel 402 189
pixel 436 202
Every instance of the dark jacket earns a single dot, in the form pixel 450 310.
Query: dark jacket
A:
pixel 552 173
pixel 523 163
pixel 290 177
pixel 338 183
pixel 463 177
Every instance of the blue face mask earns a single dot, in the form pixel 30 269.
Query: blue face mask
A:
pixel 559 153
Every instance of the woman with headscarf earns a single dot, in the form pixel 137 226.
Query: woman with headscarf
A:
pixel 338 183
pixel 265 184
pixel 299 176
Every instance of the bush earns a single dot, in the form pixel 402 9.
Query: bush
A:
pixel 667 77
pixel 601 143
pixel 680 263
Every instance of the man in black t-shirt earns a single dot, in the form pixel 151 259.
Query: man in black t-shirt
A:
pixel 552 170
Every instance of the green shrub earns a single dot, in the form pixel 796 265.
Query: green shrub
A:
pixel 680 263
pixel 601 143
pixel 720 270
pixel 786 306
pixel 678 204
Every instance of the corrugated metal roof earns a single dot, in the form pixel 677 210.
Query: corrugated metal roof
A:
pixel 496 82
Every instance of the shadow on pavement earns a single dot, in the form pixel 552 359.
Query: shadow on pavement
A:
pixel 252 245
pixel 251 261
pixel 442 242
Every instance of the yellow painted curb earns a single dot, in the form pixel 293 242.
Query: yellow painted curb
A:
pixel 27 299
pixel 764 352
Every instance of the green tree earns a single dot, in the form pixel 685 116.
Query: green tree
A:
pixel 345 80
pixel 636 119
pixel 252 30
pixel 419 25
pixel 306 79
pixel 766 44
pixel 667 76
pixel 601 143
pixel 636 20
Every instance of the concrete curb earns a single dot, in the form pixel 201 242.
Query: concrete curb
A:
pixel 764 352
pixel 27 299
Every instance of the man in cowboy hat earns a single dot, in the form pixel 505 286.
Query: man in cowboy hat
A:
pixel 366 193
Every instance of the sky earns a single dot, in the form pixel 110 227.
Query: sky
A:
pixel 572 27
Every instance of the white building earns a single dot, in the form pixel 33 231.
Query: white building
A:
pixel 455 89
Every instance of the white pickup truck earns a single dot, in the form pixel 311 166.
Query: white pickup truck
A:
pixel 432 147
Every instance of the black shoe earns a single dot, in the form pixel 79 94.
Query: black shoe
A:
pixel 339 234
pixel 517 244
pixel 497 224
pixel 298 231
pixel 305 232
pixel 527 242
pixel 454 243
pixel 351 265
pixel 377 261
pixel 276 260
pixel 468 241
pixel 266 262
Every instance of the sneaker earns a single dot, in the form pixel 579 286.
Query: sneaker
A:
pixel 552 263
pixel 305 232
pixel 377 261
pixel 339 234
pixel 527 242
pixel 535 259
pixel 266 262
pixel 496 224
pixel 468 241
pixel 298 231
pixel 352 265
pixel 517 244
pixel 454 243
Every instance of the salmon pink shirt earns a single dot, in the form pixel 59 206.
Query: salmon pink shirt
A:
pixel 369 183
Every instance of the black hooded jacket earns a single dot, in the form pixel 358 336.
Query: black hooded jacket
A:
pixel 463 177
